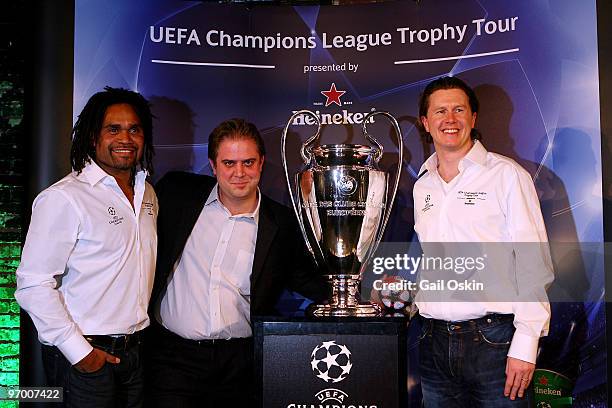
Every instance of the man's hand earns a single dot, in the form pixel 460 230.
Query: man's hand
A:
pixel 518 376
pixel 95 360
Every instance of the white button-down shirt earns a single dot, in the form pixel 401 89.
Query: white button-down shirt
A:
pixel 209 292
pixel 492 199
pixel 88 262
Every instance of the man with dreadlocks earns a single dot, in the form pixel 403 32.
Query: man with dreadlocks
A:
pixel 88 262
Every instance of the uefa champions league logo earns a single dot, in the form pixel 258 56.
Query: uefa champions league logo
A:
pixel 331 362
pixel 347 185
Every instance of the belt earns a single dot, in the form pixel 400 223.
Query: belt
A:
pixel 489 320
pixel 201 343
pixel 115 343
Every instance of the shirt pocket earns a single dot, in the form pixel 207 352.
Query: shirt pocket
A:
pixel 240 277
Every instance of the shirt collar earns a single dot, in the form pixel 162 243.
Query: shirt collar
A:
pixel 430 164
pixel 477 155
pixel 93 174
pixel 213 197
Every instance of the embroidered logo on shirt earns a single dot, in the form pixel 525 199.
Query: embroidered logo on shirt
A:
pixel 147 207
pixel 427 205
pixel 471 197
pixel 115 219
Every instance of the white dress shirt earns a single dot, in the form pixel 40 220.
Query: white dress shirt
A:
pixel 88 262
pixel 209 292
pixel 491 200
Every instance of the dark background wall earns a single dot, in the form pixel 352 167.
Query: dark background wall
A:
pixel 36 58
pixel 604 34
pixel 11 182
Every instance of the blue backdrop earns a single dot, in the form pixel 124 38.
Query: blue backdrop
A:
pixel 533 67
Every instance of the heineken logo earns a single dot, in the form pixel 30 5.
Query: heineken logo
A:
pixel 546 391
pixel 550 388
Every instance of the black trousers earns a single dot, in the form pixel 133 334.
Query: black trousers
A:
pixel 112 386
pixel 183 373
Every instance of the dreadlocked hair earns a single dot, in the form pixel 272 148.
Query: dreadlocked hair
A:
pixel 89 125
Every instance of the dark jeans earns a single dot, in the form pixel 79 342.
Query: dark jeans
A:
pixel 114 385
pixel 463 364
pixel 183 373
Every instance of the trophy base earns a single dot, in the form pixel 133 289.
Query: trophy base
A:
pixel 344 301
pixel 360 310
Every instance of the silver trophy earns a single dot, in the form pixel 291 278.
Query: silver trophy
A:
pixel 341 204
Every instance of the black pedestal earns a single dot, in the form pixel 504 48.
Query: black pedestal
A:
pixel 331 362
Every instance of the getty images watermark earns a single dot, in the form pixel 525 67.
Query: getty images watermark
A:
pixel 462 271
pixel 404 263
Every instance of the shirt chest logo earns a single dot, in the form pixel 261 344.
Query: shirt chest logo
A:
pixel 471 197
pixel 114 218
pixel 427 205
pixel 147 208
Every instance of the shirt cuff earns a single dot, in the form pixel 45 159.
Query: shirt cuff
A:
pixel 524 347
pixel 75 348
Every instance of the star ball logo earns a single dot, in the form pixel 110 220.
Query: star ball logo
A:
pixel 331 362
pixel 114 218
pixel 428 203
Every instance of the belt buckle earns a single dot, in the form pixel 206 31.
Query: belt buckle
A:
pixel 121 342
pixel 129 338
pixel 450 326
pixel 113 344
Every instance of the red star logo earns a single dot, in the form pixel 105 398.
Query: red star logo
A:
pixel 333 95
pixel 543 380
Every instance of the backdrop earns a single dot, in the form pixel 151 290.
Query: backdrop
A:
pixel 533 67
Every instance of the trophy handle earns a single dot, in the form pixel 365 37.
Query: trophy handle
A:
pixel 400 144
pixel 306 157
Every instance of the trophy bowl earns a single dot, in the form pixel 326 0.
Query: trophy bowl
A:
pixel 341 202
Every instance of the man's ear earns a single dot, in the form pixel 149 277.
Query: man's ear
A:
pixel 212 166
pixel 425 123
pixel 474 119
